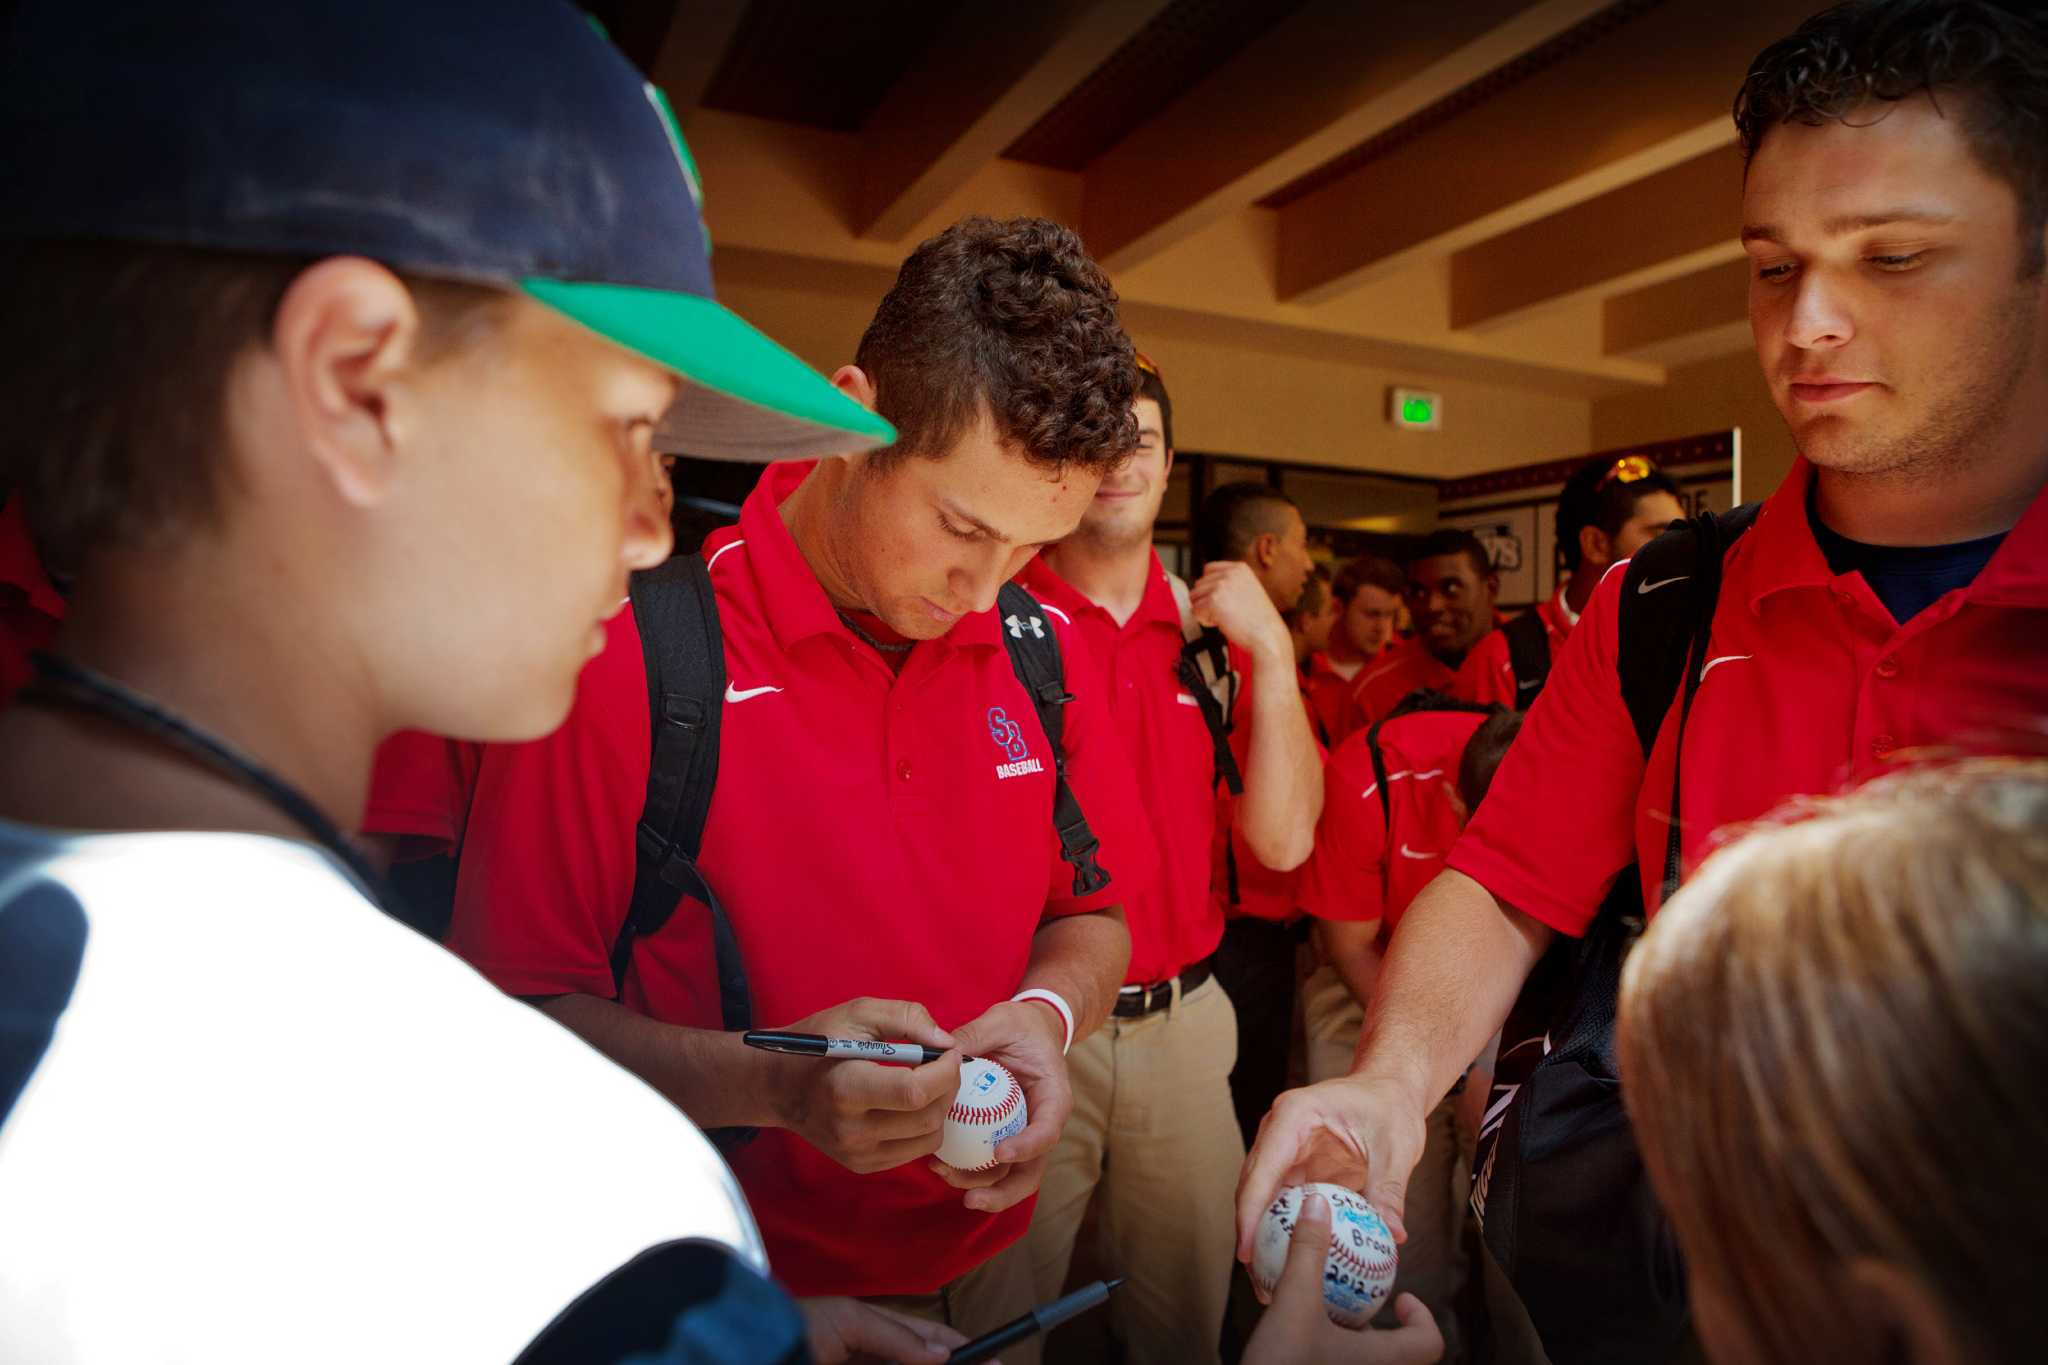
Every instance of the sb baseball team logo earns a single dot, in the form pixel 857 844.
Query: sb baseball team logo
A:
pixel 1009 737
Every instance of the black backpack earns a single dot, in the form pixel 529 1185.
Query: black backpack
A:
pixel 1559 1187
pixel 684 652
pixel 1421 699
pixel 1528 656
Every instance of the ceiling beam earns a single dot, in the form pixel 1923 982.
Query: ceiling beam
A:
pixel 1680 321
pixel 981 85
pixel 693 50
pixel 780 191
pixel 1324 80
pixel 1652 94
pixel 1654 229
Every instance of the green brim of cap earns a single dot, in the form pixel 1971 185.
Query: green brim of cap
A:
pixel 748 398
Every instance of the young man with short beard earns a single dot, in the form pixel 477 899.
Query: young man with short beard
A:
pixel 881 829
pixel 1366 594
pixel 1153 1140
pixel 1890 603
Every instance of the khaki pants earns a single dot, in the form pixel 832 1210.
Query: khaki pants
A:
pixel 1333 1019
pixel 1153 1142
pixel 1433 1260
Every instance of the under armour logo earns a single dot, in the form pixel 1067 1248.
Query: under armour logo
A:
pixel 1018 627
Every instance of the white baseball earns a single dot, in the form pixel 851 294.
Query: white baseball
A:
pixel 1359 1271
pixel 988 1107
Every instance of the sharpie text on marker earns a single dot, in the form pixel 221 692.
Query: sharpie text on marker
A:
pixel 841 1049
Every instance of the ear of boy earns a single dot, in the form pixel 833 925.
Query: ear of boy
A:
pixel 343 349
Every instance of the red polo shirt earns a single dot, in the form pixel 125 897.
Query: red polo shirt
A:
pixel 1330 698
pixel 1400 670
pixel 1361 870
pixel 1488 674
pixel 1164 737
pixel 1809 687
pixel 420 788
pixel 871 834
pixel 30 607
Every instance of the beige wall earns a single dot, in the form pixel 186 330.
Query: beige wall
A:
pixel 1268 393
pixel 1709 396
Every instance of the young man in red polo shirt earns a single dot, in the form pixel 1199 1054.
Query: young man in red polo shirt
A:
pixel 880 832
pixel 1891 601
pixel 1607 510
pixel 1310 623
pixel 1367 596
pixel 1259 525
pixel 1382 838
pixel 1154 1139
pixel 1451 586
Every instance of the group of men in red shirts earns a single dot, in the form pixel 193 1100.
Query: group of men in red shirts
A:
pixel 878 831
pixel 878 838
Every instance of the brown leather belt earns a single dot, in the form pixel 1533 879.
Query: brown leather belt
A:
pixel 1134 1002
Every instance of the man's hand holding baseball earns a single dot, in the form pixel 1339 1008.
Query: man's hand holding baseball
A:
pixel 1027 1038
pixel 1358 1131
pixel 864 1115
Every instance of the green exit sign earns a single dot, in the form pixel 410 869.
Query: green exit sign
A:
pixel 1416 410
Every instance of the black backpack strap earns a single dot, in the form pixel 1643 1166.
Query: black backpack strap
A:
pixel 1211 645
pixel 1666 615
pixel 1035 655
pixel 1421 699
pixel 1204 669
pixel 1528 656
pixel 684 651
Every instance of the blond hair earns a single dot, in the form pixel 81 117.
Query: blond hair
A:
pixel 1833 1044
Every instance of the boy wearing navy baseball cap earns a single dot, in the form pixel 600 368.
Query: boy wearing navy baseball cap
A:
pixel 341 342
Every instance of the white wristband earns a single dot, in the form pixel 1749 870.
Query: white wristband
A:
pixel 1051 998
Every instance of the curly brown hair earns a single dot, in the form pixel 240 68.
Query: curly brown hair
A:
pixel 1013 315
pixel 1889 50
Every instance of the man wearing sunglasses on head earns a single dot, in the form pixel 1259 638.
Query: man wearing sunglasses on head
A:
pixel 1608 510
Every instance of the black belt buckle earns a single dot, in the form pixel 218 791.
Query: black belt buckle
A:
pixel 1145 999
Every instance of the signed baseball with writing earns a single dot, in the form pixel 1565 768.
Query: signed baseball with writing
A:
pixel 988 1107
pixel 1358 1273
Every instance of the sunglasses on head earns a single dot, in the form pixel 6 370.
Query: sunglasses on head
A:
pixel 1627 469
pixel 1145 364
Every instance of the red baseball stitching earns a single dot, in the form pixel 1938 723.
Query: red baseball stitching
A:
pixel 1374 1268
pixel 965 1113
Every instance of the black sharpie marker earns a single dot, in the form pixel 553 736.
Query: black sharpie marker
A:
pixel 841 1049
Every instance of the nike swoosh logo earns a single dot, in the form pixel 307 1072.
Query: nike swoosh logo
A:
pixel 1407 852
pixel 1712 664
pixel 735 694
pixel 1645 588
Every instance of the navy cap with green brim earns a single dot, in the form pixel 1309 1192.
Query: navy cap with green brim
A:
pixel 501 142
